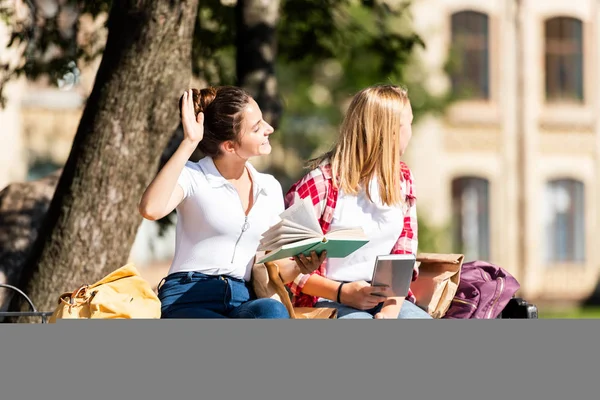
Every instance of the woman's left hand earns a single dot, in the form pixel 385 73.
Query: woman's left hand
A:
pixel 310 264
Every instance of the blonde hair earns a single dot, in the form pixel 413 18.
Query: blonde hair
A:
pixel 368 144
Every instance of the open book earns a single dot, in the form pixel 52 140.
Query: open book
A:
pixel 299 232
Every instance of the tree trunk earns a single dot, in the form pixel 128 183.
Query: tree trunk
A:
pixel 129 117
pixel 256 51
pixel 23 206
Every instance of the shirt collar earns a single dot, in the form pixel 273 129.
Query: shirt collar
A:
pixel 325 166
pixel 215 179
pixel 258 179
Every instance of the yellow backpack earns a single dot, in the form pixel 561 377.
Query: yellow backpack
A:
pixel 121 294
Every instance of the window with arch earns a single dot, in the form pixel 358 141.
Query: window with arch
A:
pixel 564 221
pixel 470 218
pixel 564 59
pixel 469 55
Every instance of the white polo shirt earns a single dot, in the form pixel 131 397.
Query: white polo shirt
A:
pixel 210 221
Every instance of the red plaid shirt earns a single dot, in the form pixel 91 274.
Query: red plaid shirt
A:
pixel 318 184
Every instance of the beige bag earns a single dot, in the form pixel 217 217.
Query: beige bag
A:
pixel 121 294
pixel 436 286
pixel 267 283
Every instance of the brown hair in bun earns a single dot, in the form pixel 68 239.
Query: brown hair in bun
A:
pixel 222 107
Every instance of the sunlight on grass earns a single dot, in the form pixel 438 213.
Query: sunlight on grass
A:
pixel 573 313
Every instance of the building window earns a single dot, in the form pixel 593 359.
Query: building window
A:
pixel 470 214
pixel 564 59
pixel 469 56
pixel 564 228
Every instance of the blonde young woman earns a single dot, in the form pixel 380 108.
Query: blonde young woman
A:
pixel 223 206
pixel 362 181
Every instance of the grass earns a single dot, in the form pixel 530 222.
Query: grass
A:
pixel 569 313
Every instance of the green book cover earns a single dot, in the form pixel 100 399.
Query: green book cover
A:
pixel 336 248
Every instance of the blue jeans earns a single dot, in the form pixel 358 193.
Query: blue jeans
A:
pixel 197 295
pixel 408 311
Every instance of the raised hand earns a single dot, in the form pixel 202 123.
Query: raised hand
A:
pixel 193 126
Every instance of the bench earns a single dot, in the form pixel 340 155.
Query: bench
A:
pixel 517 308
pixel 33 313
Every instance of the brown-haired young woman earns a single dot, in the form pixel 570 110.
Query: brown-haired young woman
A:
pixel 223 206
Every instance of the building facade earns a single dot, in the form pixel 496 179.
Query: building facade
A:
pixel 512 169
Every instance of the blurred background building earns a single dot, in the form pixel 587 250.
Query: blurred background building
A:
pixel 512 169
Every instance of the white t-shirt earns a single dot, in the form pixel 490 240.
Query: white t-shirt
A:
pixel 382 225
pixel 210 220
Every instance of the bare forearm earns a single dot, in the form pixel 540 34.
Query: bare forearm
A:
pixel 320 286
pixel 288 270
pixel 155 200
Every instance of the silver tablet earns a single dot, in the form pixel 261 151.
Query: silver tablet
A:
pixel 394 271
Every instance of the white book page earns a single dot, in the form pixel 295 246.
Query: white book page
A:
pixel 303 213
pixel 350 233
pixel 298 222
pixel 283 233
pixel 281 241
pixel 286 227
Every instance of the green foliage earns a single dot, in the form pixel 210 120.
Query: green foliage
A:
pixel 432 239
pixel 327 47
pixel 327 53
pixel 213 49
pixel 50 44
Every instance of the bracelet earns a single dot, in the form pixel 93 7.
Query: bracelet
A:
pixel 339 292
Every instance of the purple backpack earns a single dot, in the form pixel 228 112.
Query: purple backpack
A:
pixel 483 291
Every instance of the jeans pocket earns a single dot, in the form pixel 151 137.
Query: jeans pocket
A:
pixel 239 293
pixel 169 288
pixel 178 283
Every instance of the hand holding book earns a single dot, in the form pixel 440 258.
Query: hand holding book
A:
pixel 308 265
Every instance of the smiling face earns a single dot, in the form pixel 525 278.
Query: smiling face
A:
pixel 254 132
